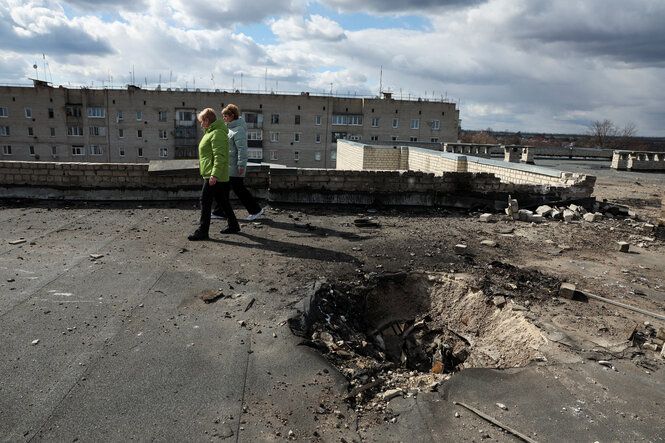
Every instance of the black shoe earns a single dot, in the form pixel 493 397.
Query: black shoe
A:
pixel 197 235
pixel 230 230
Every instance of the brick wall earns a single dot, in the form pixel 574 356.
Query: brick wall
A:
pixel 638 161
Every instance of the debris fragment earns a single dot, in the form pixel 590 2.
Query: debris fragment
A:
pixel 212 296
pixel 34 342
pixel 17 242
pixel 487 217
pixel 96 256
pixel 250 304
pixel 502 406
pixel 460 249
pixel 623 246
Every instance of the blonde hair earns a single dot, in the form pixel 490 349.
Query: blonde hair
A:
pixel 231 111
pixel 208 113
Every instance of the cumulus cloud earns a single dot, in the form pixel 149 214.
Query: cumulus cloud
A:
pixel 220 14
pixel 95 6
pixel 315 28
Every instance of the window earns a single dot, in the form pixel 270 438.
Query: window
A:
pixel 96 113
pixel 185 118
pixel 296 137
pixel 253 120
pixel 395 122
pixel 317 156
pixel 434 139
pixel 333 155
pixel 30 132
pixel 338 135
pixel 354 137
pixel 254 135
pixel 415 123
pixel 394 138
pixel 273 155
pixel 162 116
pixel 318 138
pixel 118 116
pixel 6 149
pixel 98 131
pixel 436 125
pixel 31 150
pixel 121 133
pixel 139 115
pixel 375 122
pixel 318 120
pixel 4 131
pixel 73 111
pixel 52 132
pixel 78 150
pixel 4 112
pixel 163 152
pixel 95 150
pixel 121 151
pixel 50 113
pixel 255 153
pixel 139 133
pixel 54 151
pixel 28 112
pixel 296 155
pixel 374 138
pixel 297 121
pixel 347 119
pixel 413 139
pixel 139 152
pixel 274 136
pixel 75 131
pixel 274 119
pixel 162 134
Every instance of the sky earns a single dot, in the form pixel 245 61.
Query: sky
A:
pixel 551 66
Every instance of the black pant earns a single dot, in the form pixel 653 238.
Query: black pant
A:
pixel 220 193
pixel 243 194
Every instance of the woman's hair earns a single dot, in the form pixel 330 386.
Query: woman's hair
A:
pixel 208 113
pixel 231 111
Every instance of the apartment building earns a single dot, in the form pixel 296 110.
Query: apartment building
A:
pixel 137 125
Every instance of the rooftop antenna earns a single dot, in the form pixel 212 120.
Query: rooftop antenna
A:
pixel 44 60
pixel 381 81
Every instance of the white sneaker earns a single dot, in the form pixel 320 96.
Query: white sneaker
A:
pixel 217 217
pixel 255 216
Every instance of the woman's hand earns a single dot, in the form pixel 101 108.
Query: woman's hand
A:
pixel 241 171
pixel 212 180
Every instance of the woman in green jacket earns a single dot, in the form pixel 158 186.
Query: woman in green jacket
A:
pixel 214 167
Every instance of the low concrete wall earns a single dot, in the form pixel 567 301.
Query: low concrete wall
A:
pixel 638 161
pixel 460 181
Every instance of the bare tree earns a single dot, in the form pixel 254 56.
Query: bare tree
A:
pixel 606 135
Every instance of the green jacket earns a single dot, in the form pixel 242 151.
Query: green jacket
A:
pixel 214 151
pixel 237 147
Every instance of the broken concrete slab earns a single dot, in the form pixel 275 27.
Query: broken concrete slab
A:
pixel 544 210
pixel 622 246
pixel 487 217
pixel 567 290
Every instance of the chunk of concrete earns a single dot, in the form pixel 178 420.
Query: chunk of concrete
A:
pixel 544 210
pixel 567 290
pixel 592 217
pixel 536 218
pixel 568 215
pixel 525 215
pixel 623 246
pixel 461 249
pixel 487 218
pixel 490 243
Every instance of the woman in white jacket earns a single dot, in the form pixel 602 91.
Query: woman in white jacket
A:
pixel 238 162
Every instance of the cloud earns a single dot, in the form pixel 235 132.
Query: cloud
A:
pixel 397 6
pixel 316 28
pixel 226 14
pixel 109 6
pixel 32 27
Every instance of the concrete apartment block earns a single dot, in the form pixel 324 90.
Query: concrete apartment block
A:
pixel 136 125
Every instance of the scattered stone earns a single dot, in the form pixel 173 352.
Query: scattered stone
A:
pixel 461 249
pixel 525 215
pixel 34 342
pixel 212 296
pixel 648 227
pixel 623 246
pixel 544 211
pixel 487 217
pixel 391 393
pixel 490 243
pixel 568 215
pixel 17 242
pixel 567 290
pixel 96 256
pixel 499 301
pixel 535 218
pixel 242 323
pixel 651 346
pixel 10 280
pixel 592 217
pixel 502 406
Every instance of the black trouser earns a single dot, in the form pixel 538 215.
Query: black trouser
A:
pixel 243 194
pixel 220 193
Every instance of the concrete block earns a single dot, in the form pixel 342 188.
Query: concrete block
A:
pixel 589 217
pixel 544 210
pixel 535 218
pixel 486 217
pixel 525 215
pixel 461 249
pixel 567 290
pixel 568 215
pixel 623 246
